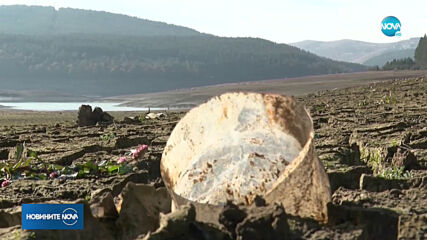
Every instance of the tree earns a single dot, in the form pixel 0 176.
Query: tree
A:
pixel 399 64
pixel 421 52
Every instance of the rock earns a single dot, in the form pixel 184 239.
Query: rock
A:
pixel 87 117
pixel 106 118
pixel 102 205
pixel 422 183
pixel 8 142
pixel 264 223
pixel 269 139
pixel 10 217
pixel 395 193
pixel 131 120
pixel 377 223
pixel 15 233
pixel 4 153
pixel 84 116
pixel 130 141
pixel 6 203
pixel 174 224
pixel 181 225
pixel 379 184
pixel 140 209
pixel 231 216
pixel 405 158
pixel 348 176
pixel 413 227
pixel 259 201
pixel 97 114
pixel 343 231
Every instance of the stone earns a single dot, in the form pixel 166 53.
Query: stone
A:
pixel 404 158
pixel 347 176
pixel 174 224
pixel 10 217
pixel 378 184
pixel 84 116
pixel 182 225
pixel 87 117
pixel 97 114
pixel 102 204
pixel 140 209
pixel 269 139
pixel 106 119
pixel 341 232
pixel 377 223
pixel 131 120
pixel 259 201
pixel 4 153
pixel 15 233
pixel 230 216
pixel 264 223
pixel 412 227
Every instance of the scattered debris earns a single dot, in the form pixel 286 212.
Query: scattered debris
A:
pixel 136 153
pixel 121 160
pixel 5 183
pixel 155 115
pixel 131 120
pixel 53 175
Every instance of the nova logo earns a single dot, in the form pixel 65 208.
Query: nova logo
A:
pixel 69 216
pixel 390 26
pixel 52 216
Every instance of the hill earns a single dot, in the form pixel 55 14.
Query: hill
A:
pixel 361 52
pixel 381 59
pixel 37 20
pixel 96 60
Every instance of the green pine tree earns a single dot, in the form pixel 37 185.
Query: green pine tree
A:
pixel 421 52
pixel 399 64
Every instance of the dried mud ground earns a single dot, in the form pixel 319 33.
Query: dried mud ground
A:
pixel 372 141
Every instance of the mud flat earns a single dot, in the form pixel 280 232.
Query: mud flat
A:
pixel 298 86
pixel 372 140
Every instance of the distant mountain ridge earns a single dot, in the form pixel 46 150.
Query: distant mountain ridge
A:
pixel 360 52
pixel 104 54
pixel 37 20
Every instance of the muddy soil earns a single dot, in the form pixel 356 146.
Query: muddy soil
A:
pixel 360 133
pixel 372 141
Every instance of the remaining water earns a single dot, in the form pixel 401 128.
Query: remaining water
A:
pixel 69 106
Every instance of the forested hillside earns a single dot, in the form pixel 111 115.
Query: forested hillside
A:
pixel 37 20
pixel 407 63
pixel 111 63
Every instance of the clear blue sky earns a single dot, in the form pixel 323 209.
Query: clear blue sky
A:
pixel 283 21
